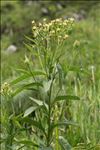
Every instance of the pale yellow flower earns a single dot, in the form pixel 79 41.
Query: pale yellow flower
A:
pixel 33 22
pixel 71 19
pixel 66 36
pixel 34 28
pixel 58 29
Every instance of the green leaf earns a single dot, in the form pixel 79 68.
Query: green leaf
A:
pixel 25 76
pixel 60 71
pixel 2 140
pixel 46 148
pixel 66 97
pixel 19 79
pixel 23 71
pixel 39 102
pixel 27 142
pixel 64 143
pixel 26 87
pixel 30 110
pixel 46 85
pixel 30 39
pixel 38 72
pixel 36 124
pixel 77 69
pixel 62 123
pixel 29 47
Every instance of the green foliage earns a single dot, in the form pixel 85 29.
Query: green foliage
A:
pixel 49 59
pixel 24 110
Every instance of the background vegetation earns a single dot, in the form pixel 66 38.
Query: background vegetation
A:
pixel 82 52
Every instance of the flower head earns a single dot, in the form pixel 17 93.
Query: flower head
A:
pixel 6 89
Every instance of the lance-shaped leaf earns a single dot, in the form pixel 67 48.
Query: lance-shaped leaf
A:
pixel 28 38
pixel 46 85
pixel 26 87
pixel 60 72
pixel 26 76
pixel 34 123
pixel 39 102
pixel 78 70
pixel 46 148
pixel 27 142
pixel 64 143
pixel 62 123
pixel 65 97
pixel 30 110
pixel 19 79
pixel 22 71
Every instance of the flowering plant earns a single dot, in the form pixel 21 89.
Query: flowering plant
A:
pixel 48 81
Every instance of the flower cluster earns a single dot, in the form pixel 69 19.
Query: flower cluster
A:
pixel 58 28
pixel 6 89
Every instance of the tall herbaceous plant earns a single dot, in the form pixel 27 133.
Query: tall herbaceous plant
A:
pixel 47 80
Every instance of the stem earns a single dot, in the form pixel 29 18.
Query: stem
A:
pixel 57 136
pixel 10 136
pixel 49 115
pixel 40 59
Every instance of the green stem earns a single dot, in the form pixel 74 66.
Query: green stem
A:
pixel 49 115
pixel 40 59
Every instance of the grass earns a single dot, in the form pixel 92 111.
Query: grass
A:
pixel 84 84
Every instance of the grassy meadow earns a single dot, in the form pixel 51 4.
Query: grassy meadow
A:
pixel 50 93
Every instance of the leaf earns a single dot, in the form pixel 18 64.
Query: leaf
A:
pixel 64 143
pixel 38 72
pixel 46 148
pixel 26 87
pixel 34 123
pixel 60 71
pixel 2 140
pixel 30 39
pixel 29 47
pixel 66 97
pixel 22 71
pixel 63 123
pixel 46 85
pixel 30 110
pixel 27 142
pixel 19 79
pixel 25 76
pixel 39 102
pixel 77 69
